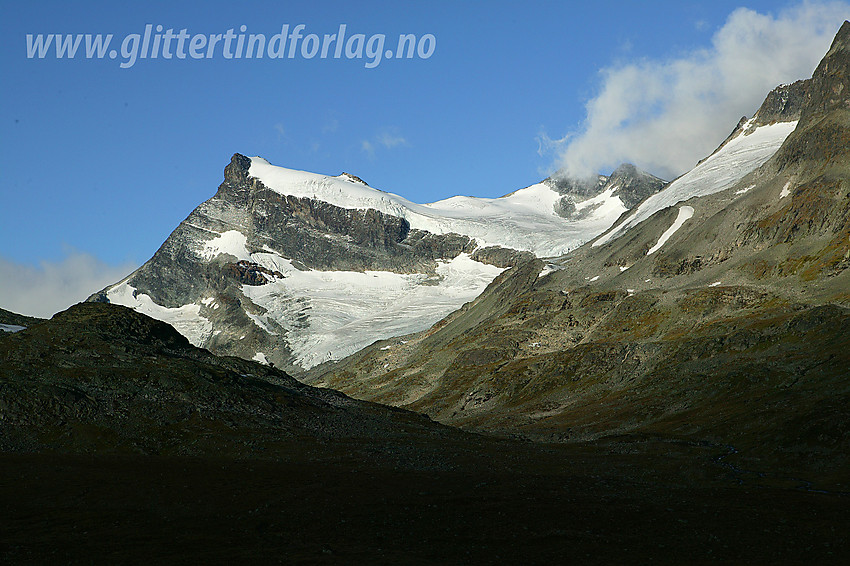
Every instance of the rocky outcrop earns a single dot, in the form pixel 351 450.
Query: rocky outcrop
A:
pixel 501 257
pixel 250 273
pixel 627 182
pixel 784 103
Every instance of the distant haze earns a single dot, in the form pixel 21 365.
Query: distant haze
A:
pixel 55 285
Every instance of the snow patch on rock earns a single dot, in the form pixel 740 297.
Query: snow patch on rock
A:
pixel 187 319
pixel 230 242
pixel 685 212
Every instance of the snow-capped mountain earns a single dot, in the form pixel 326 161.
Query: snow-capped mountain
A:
pixel 299 268
pixel 530 219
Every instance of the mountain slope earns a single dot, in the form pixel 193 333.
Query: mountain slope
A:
pixel 524 220
pixel 14 322
pixel 718 312
pixel 297 269
pixel 104 379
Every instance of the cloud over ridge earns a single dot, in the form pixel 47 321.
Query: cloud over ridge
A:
pixel 665 115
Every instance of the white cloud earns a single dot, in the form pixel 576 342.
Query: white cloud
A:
pixel 546 145
pixel 388 138
pixel 54 286
pixel 664 116
pixel 281 131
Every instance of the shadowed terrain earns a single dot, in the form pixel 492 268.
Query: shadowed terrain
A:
pixel 122 443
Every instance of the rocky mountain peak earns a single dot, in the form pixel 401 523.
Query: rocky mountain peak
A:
pixel 353 178
pixel 237 169
pixel 566 184
pixel 627 182
pixel 830 88
pixel 633 185
pixel 782 104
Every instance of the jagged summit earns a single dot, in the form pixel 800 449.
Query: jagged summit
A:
pixel 353 178
pixel 628 183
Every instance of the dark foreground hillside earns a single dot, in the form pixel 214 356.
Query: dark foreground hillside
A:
pixel 123 444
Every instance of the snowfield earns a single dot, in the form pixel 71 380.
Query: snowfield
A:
pixel 741 155
pixel 523 220
pixel 327 315
pixel 331 314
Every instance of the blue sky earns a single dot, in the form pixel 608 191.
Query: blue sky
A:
pixel 100 163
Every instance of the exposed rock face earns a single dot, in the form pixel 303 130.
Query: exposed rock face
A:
pixel 501 257
pixel 250 273
pixel 784 103
pixel 734 330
